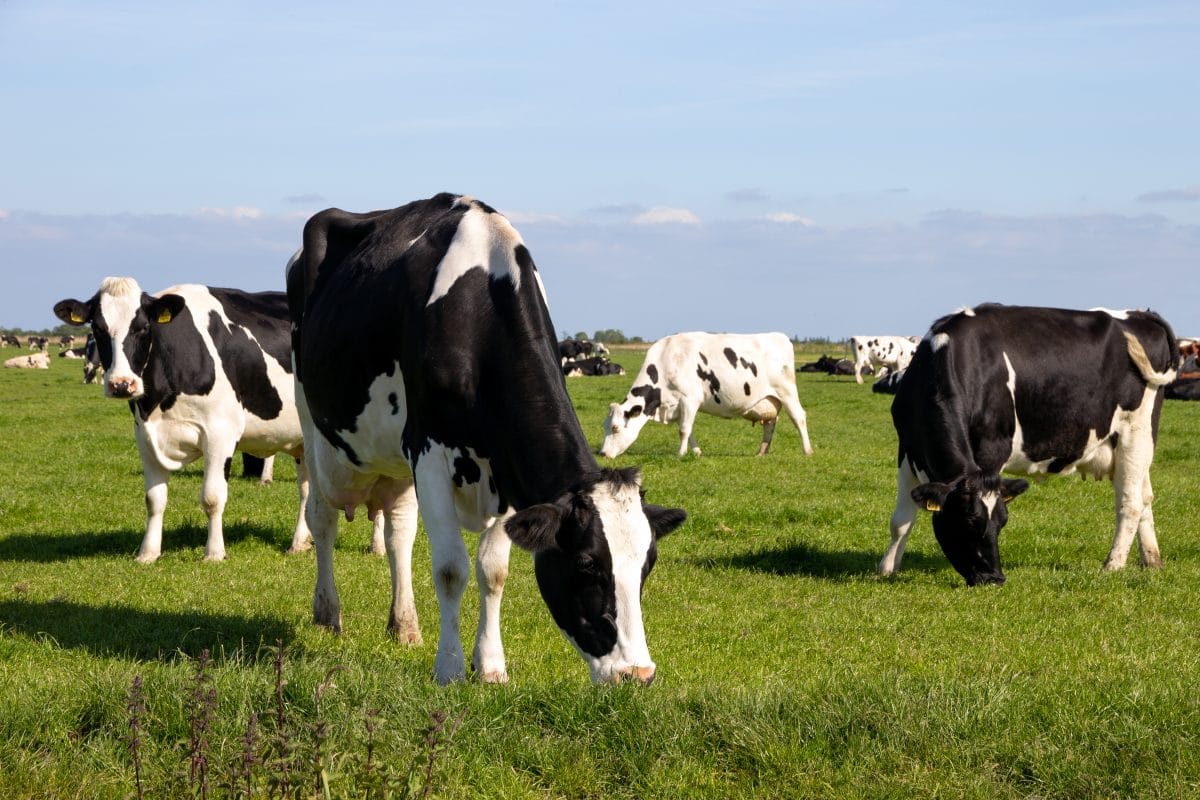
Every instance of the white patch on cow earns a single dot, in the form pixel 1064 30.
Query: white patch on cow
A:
pixel 376 433
pixel 120 301
pixel 966 311
pixel 989 500
pixel 1114 313
pixel 482 241
pixel 939 341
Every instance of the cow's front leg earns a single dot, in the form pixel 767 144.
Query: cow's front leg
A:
pixel 213 494
pixel 156 505
pixel 903 516
pixel 322 521
pixel 768 434
pixel 687 419
pixel 301 536
pixel 1147 540
pixel 491 572
pixel 451 564
pixel 399 521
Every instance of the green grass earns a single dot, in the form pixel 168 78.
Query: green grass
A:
pixel 786 668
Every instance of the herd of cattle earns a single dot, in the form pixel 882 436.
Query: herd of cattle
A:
pixel 412 356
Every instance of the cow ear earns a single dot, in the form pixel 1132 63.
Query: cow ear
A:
pixel 1011 487
pixel 663 520
pixel 536 528
pixel 164 309
pixel 633 412
pixel 72 312
pixel 930 496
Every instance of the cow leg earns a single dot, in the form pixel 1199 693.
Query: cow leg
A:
pixel 451 564
pixel 768 434
pixel 213 494
pixel 399 519
pixel 859 363
pixel 268 472
pixel 301 536
pixel 799 418
pixel 903 517
pixel 156 504
pixel 687 418
pixel 322 521
pixel 491 571
pixel 377 547
pixel 1147 541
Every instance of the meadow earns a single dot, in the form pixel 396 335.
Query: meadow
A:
pixel 786 668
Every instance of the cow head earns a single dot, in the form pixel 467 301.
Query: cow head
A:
pixel 968 516
pixel 625 420
pixel 124 321
pixel 592 550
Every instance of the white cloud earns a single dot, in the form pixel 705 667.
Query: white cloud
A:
pixel 665 215
pixel 788 218
pixel 237 213
pixel 3 213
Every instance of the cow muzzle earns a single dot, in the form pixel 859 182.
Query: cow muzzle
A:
pixel 122 388
pixel 642 675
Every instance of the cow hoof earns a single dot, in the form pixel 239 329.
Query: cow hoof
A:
pixel 146 558
pixel 299 548
pixel 214 556
pixel 410 637
pixel 494 677
pixel 372 550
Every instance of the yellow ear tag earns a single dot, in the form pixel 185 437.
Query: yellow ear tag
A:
pixel 76 317
pixel 164 316
pixel 932 505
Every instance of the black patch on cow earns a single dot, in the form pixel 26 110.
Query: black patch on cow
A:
pixel 171 358
pixel 714 385
pixel 704 358
pixel 466 470
pixel 732 356
pixel 394 400
pixel 652 396
pixel 746 388
pixel 750 365
pixel 244 364
pixel 265 316
pixel 652 373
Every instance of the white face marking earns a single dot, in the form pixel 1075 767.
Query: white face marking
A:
pixel 120 301
pixel 482 241
pixel 989 501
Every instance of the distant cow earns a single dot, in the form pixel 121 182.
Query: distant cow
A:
pixel 831 365
pixel 8 339
pixel 596 365
pixel 1027 391
pixel 893 352
pixel 888 383
pixel 32 361
pixel 38 342
pixel 91 360
pixel 73 353
pixel 724 374
pixel 206 371
pixel 1183 389
pixel 571 349
pixel 66 340
pixel 425 353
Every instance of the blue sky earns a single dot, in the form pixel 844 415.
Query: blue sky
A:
pixel 823 169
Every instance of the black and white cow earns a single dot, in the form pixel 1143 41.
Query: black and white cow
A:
pixel 595 365
pixel 724 374
pixel 1028 391
pixel 91 360
pixel 38 342
pixel 206 371
pixel 892 352
pixel 571 349
pixel 830 365
pixel 8 339
pixel 425 352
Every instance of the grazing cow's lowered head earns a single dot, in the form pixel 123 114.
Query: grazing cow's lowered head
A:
pixel 123 320
pixel 968 516
pixel 592 550
pixel 626 420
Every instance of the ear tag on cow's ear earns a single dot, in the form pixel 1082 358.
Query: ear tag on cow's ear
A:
pixel 933 505
pixel 76 317
pixel 164 316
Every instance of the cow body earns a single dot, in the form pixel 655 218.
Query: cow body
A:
pixel 206 372
pixel 426 365
pixel 1027 391
pixel 33 361
pixel 8 339
pixel 595 365
pixel 891 352
pixel 728 375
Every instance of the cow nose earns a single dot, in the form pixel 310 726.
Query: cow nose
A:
pixel 122 388
pixel 643 675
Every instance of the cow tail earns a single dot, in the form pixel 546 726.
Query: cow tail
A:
pixel 1137 354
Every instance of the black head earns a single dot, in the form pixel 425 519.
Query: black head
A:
pixel 968 516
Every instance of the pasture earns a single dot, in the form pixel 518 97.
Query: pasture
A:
pixel 785 667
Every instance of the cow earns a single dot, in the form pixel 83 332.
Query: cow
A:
pixel 724 374
pixel 1028 391
pixel 8 339
pixel 1183 389
pixel 91 360
pixel 73 353
pixel 426 365
pixel 38 342
pixel 595 365
pixel 206 371
pixel 892 352
pixel 32 361
pixel 831 365
pixel 65 341
pixel 571 349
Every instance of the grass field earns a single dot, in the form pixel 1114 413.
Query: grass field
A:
pixel 786 667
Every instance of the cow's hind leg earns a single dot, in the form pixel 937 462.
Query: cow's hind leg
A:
pixel 491 571
pixel 301 536
pixel 1132 498
pixel 791 403
pixel 1147 541
pixel 687 419
pixel 322 521
pixel 399 518
pixel 903 517
pixel 451 564
pixel 768 434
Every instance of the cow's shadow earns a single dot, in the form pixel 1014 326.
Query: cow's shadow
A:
pixel 136 634
pixel 46 548
pixel 802 559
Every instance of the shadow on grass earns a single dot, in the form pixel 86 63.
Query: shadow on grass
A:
pixel 801 559
pixel 122 632
pixel 44 548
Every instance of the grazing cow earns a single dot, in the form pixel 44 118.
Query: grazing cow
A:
pixel 33 361
pixel 888 383
pixel 596 365
pixel 724 374
pixel 38 342
pixel 206 372
pixel 8 339
pixel 571 349
pixel 424 352
pixel 1028 391
pixel 892 352
pixel 91 363
pixel 65 341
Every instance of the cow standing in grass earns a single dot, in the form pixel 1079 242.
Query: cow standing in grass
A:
pixel 729 375
pixel 206 371
pixel 1027 391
